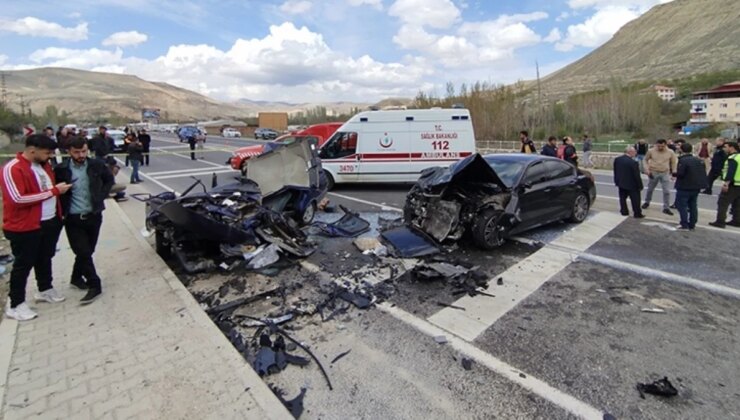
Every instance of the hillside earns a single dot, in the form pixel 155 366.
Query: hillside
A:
pixel 674 40
pixel 86 94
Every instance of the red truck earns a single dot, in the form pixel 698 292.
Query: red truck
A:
pixel 321 132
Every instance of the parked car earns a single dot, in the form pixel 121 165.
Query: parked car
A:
pixel 496 196
pixel 231 132
pixel 265 133
pixel 118 136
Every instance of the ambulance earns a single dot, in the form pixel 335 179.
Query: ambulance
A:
pixel 396 145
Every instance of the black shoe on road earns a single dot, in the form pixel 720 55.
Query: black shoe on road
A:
pixel 90 297
pixel 646 205
pixel 668 212
pixel 80 284
pixel 639 216
pixel 733 224
pixel 717 224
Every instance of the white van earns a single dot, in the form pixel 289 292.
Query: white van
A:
pixel 395 146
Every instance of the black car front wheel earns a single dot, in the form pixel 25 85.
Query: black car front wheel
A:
pixel 581 207
pixel 487 230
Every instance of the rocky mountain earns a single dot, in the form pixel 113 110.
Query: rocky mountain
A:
pixel 673 40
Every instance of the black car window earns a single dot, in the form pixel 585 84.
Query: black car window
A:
pixel 536 173
pixel 339 145
pixel 557 169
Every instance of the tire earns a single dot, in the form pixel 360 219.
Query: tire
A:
pixel 329 181
pixel 243 168
pixel 487 233
pixel 161 245
pixel 307 216
pixel 580 209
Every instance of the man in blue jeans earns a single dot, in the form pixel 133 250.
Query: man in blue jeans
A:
pixel 691 178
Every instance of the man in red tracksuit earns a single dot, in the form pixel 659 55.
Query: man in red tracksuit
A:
pixel 31 222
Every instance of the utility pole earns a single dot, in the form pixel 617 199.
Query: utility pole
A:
pixel 23 104
pixel 539 92
pixel 3 90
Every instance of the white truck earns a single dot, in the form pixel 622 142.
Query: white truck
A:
pixel 395 146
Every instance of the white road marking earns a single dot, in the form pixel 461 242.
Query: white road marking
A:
pixel 188 157
pixel 530 383
pixel 369 203
pixel 701 210
pixel 177 171
pixel 521 280
pixel 145 176
pixel 204 172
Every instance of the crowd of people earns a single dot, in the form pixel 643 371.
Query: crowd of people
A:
pixel 692 169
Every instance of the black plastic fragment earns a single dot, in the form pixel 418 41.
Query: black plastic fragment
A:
pixel 661 388
pixel 339 356
pixel 467 364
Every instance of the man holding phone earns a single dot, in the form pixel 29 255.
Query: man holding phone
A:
pixel 83 209
pixel 31 222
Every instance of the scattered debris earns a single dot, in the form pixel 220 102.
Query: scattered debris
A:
pixel 665 303
pixel 660 225
pixel 662 388
pixel 620 300
pixel 608 416
pixel 367 244
pixel 500 281
pixel 348 226
pixel 467 364
pixel 440 339
pixel 653 310
pixel 600 291
pixel 410 243
pixel 264 257
pixel 294 406
pixel 448 305
pixel 521 375
pixel 339 356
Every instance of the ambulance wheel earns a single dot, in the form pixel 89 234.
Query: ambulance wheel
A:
pixel 329 181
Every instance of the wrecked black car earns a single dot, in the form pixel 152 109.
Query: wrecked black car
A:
pixel 496 196
pixel 242 218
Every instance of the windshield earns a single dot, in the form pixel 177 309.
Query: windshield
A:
pixel 508 171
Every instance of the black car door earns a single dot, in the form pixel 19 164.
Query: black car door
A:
pixel 562 187
pixel 534 197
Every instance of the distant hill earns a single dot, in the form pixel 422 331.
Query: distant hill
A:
pixel 86 94
pixel 671 41
pixel 90 95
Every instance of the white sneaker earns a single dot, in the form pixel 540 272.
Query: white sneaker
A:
pixel 21 312
pixel 51 296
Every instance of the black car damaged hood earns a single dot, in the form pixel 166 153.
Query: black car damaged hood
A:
pixel 472 169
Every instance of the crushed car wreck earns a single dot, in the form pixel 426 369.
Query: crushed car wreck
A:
pixel 280 194
pixel 495 196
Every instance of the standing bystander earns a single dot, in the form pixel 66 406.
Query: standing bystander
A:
pixel 627 178
pixel 83 213
pixel 588 146
pixel 551 147
pixel 527 144
pixel 703 150
pixel 691 177
pixel 136 156
pixel 718 161
pixel 660 163
pixel 642 148
pixel 730 195
pixel 146 142
pixel 31 222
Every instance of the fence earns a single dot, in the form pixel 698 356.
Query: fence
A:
pixel 616 146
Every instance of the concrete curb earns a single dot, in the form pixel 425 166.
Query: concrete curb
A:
pixel 8 330
pixel 262 395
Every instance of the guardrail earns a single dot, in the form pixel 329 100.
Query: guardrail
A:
pixel 616 146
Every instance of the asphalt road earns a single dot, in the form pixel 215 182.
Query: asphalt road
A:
pixel 563 336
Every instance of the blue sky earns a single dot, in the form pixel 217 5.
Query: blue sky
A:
pixel 310 50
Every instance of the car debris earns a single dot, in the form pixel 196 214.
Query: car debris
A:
pixel 350 225
pixel 409 242
pixel 205 229
pixel 294 406
pixel 467 364
pixel 662 387
pixel 440 339
pixel 653 310
pixel 340 356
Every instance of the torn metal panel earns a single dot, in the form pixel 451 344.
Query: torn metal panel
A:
pixel 349 225
pixel 410 242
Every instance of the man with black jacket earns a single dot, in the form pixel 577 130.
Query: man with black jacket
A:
pixel 691 177
pixel 718 160
pixel 527 144
pixel 82 208
pixel 101 145
pixel 627 178
pixel 146 141
pixel 551 148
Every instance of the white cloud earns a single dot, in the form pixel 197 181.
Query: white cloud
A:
pixel 125 39
pixel 438 14
pixel 31 26
pixel 296 7
pixel 76 58
pixel 597 29
pixel 553 36
pixel 472 43
pixel 377 4
pixel 638 4
pixel 290 63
